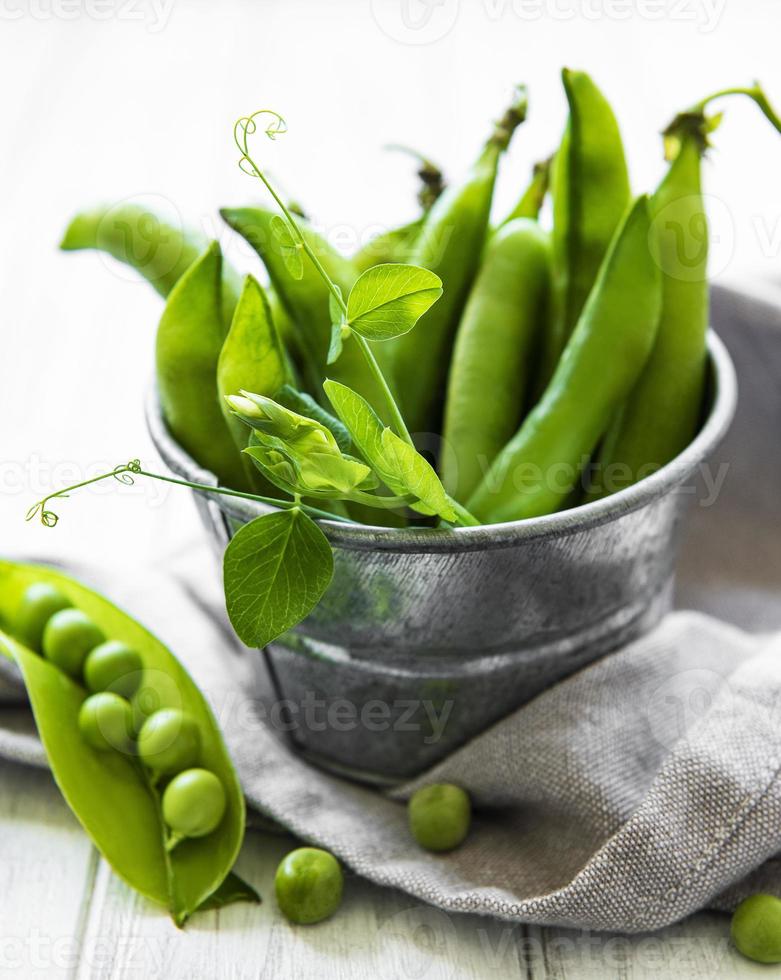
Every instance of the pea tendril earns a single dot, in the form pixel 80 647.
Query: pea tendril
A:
pixel 126 474
pixel 244 128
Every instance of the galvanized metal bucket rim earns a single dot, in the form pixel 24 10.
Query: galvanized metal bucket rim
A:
pixel 491 536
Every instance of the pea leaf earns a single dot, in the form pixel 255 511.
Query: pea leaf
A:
pixel 276 569
pixel 304 404
pixel 289 248
pixel 366 430
pixel 107 791
pixel 388 300
pixel 417 476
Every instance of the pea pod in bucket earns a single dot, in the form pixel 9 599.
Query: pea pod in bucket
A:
pixel 114 795
pixel 541 465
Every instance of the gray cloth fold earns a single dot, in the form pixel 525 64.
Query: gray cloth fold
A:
pixel 633 793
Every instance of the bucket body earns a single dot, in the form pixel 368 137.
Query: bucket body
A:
pixel 426 637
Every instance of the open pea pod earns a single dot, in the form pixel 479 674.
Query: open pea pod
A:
pixel 109 792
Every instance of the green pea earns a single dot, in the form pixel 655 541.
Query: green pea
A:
pixel 193 804
pixel 439 816
pixel 39 603
pixel 105 722
pixel 67 639
pixel 756 928
pixel 309 884
pixel 169 741
pixel 113 666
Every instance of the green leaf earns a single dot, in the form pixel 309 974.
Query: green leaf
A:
pixel 418 476
pixel 366 430
pixel 108 791
pixel 289 248
pixel 232 890
pixel 304 404
pixel 276 569
pixel 388 300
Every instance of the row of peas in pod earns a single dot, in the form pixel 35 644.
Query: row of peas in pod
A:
pixel 166 742
pixel 131 741
pixel 114 724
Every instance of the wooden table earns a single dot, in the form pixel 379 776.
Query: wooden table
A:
pixel 63 913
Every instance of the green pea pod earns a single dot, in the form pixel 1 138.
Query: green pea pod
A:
pixel 307 299
pixel 394 245
pixel 660 417
pixel 538 469
pixel 285 327
pixel 252 359
pixel 159 251
pixel 450 245
pixel 189 340
pixel 590 195
pixel 530 202
pixel 498 332
pixel 109 792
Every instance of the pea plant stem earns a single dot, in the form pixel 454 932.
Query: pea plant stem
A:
pixel 464 517
pixel 366 350
pixel 226 492
pixel 376 370
pixel 753 92
pixel 375 500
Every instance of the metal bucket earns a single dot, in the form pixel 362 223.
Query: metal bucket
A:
pixel 426 637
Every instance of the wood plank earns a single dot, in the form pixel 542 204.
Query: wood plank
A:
pixel 377 932
pixel 47 866
pixel 66 914
pixel 698 948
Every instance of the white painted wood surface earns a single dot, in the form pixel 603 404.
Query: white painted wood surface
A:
pixel 64 914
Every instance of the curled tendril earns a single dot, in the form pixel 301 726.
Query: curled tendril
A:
pixel 48 517
pixel 247 126
pixel 123 474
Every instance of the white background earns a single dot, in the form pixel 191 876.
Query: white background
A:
pixel 115 98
